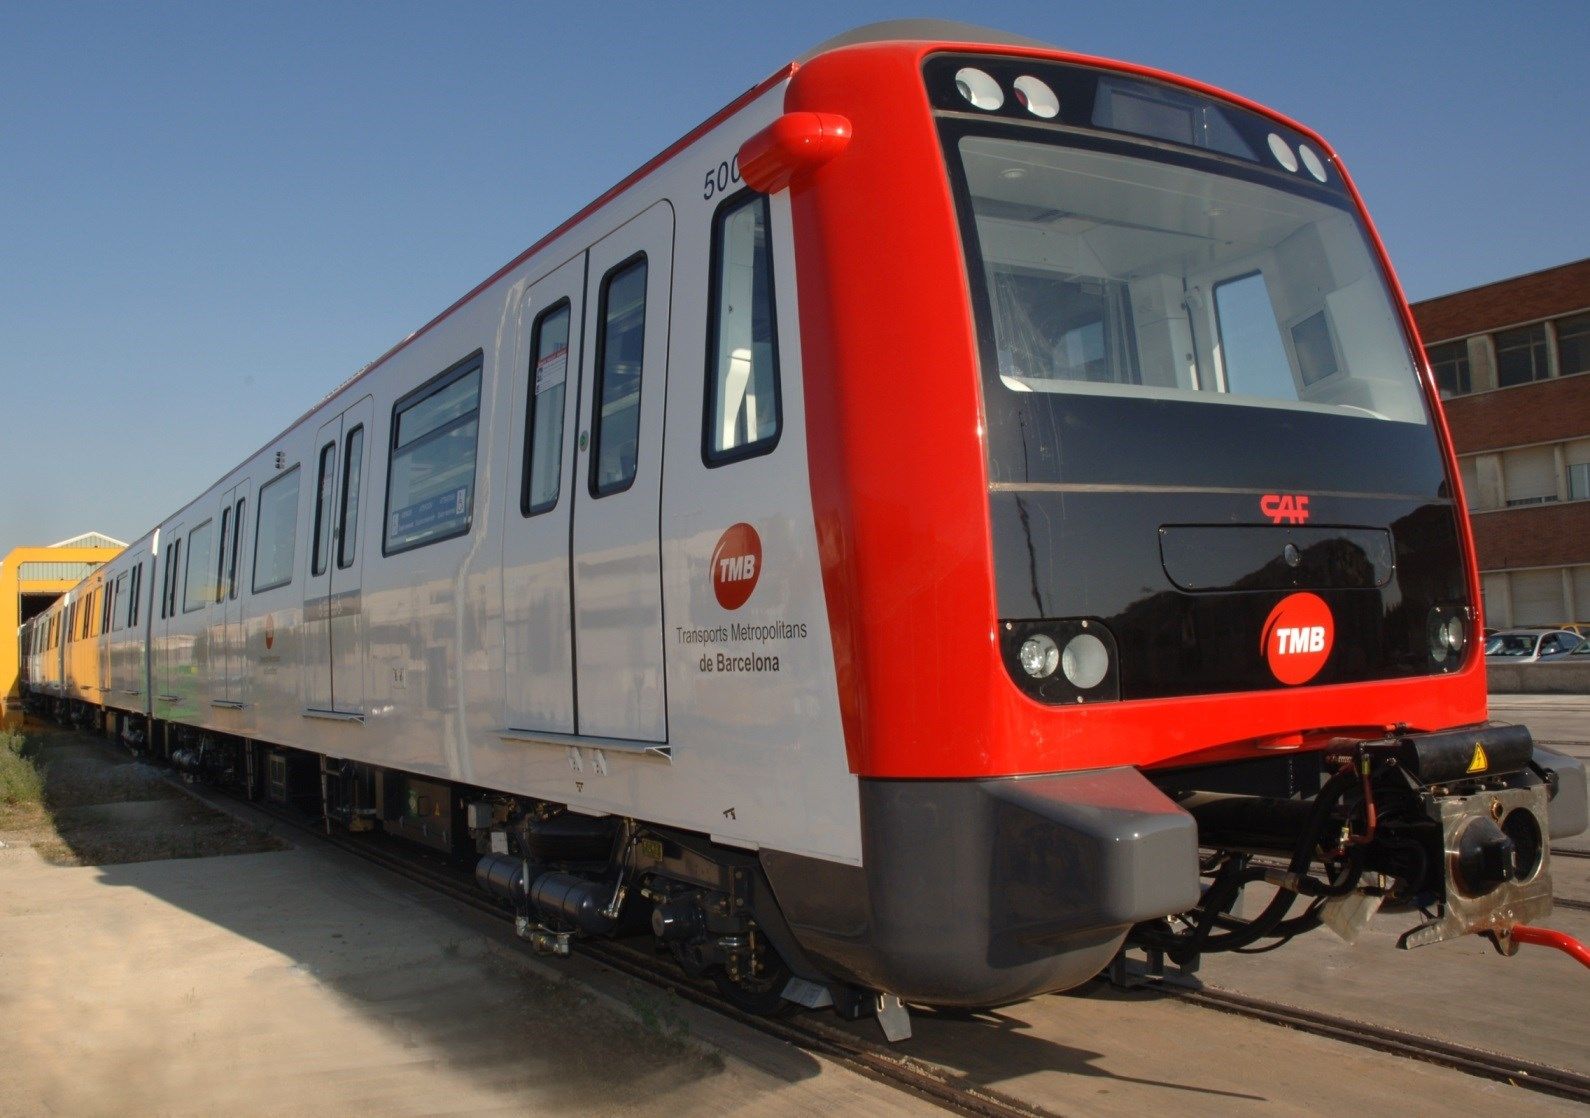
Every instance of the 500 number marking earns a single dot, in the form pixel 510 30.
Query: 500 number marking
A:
pixel 721 178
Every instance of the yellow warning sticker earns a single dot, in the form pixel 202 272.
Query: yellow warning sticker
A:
pixel 1479 762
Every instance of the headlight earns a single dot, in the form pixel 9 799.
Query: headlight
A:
pixel 1086 661
pixel 1446 635
pixel 1062 660
pixel 1040 656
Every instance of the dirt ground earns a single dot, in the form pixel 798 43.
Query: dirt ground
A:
pixel 103 807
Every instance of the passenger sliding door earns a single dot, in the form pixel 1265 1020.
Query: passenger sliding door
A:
pixel 166 671
pixel 234 530
pixel 538 618
pixel 333 629
pixel 617 485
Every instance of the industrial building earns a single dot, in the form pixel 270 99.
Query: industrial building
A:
pixel 33 577
pixel 1508 357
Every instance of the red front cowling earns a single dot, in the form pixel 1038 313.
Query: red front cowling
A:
pixel 899 484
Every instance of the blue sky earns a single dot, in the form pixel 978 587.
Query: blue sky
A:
pixel 211 214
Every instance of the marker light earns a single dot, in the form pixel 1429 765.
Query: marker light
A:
pixel 1312 161
pixel 980 90
pixel 1284 155
pixel 1085 661
pixel 1040 656
pixel 1037 98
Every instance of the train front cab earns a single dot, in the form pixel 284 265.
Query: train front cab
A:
pixel 1169 553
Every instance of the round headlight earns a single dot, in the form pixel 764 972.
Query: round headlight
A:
pixel 1040 656
pixel 1445 634
pixel 979 89
pixel 1085 661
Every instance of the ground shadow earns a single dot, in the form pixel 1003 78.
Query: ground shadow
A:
pixel 442 980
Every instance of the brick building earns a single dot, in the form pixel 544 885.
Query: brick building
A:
pixel 1507 357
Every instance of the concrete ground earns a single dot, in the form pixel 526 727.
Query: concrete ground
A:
pixel 301 982
pixel 305 981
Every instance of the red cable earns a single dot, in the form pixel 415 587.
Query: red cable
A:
pixel 1545 937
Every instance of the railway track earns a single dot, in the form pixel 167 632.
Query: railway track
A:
pixel 930 1082
pixel 875 1061
pixel 1572 903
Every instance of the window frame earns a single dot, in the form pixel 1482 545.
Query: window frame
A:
pixel 204 563
pixel 173 577
pixel 220 554
pixel 709 419
pixel 458 370
pixel 259 509
pixel 1537 347
pixel 136 588
pixel 604 290
pixel 320 531
pixel 239 509
pixel 526 509
pixel 350 463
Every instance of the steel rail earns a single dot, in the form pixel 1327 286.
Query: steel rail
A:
pixel 929 1082
pixel 874 1061
pixel 1519 1072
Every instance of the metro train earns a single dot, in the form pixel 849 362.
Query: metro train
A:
pixel 965 511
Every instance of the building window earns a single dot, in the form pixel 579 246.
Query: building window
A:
pixel 1450 364
pixel 1573 344
pixel 1529 476
pixel 1521 355
pixel 1579 482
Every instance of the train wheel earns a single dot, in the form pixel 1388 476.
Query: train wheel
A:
pixel 758 987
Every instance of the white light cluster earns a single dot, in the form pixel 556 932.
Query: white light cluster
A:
pixel 1286 157
pixel 981 91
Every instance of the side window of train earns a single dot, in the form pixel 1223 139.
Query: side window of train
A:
pixel 620 348
pixel 430 481
pixel 742 404
pixel 276 532
pixel 195 587
pixel 325 478
pixel 348 513
pixel 543 422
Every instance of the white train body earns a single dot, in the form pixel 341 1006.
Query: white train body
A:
pixel 508 656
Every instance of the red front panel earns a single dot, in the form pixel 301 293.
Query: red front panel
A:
pixel 900 483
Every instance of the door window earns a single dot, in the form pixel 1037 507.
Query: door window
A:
pixel 620 351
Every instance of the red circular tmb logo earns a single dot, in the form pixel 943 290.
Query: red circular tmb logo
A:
pixel 1297 637
pixel 736 565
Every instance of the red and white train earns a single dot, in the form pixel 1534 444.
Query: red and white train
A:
pixel 880 543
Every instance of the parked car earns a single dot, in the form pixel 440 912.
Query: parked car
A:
pixel 1531 646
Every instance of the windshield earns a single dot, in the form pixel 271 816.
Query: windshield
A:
pixel 1109 274
pixel 1511 644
